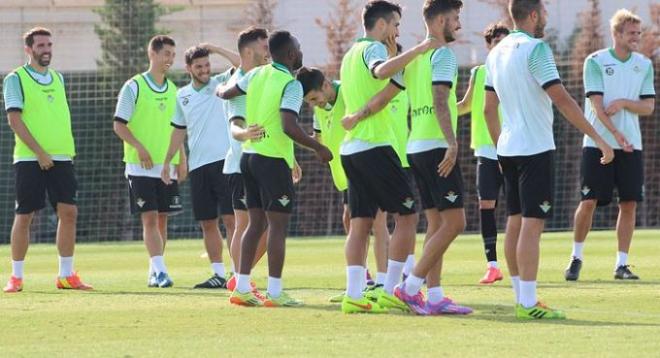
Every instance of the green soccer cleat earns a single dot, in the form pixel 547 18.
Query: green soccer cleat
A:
pixel 283 301
pixel 538 311
pixel 391 302
pixel 372 292
pixel 248 299
pixel 361 305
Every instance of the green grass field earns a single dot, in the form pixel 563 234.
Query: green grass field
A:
pixel 124 318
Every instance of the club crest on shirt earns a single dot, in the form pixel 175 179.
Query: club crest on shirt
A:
pixel 50 98
pixel 186 100
pixel 636 69
pixel 609 71
pixel 162 106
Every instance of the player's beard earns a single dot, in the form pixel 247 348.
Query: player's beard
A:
pixel 44 62
pixel 539 30
pixel 448 34
pixel 199 80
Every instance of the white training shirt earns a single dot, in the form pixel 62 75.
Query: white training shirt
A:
pixel 233 158
pixel 519 69
pixel 607 75
pixel 203 115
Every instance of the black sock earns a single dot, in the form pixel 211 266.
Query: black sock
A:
pixel 489 233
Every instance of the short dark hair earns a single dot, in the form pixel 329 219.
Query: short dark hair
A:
pixel 433 8
pixel 311 78
pixel 194 53
pixel 494 31
pixel 279 43
pixel 159 41
pixel 378 9
pixel 28 37
pixel 521 9
pixel 250 35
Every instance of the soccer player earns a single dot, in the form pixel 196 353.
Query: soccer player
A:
pixel 253 51
pixel 145 109
pixel 619 88
pixel 273 100
pixel 324 96
pixel 38 113
pixel 521 73
pixel 489 177
pixel 375 175
pixel 197 110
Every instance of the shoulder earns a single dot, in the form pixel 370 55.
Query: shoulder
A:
pixel 184 91
pixel 641 59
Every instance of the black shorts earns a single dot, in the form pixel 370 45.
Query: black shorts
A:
pixel 625 172
pixel 268 183
pixel 489 178
pixel 377 180
pixel 529 184
pixel 238 200
pixel 436 191
pixel 210 191
pixel 151 194
pixel 32 183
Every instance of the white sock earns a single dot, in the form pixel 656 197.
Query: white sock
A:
pixel 17 268
pixel 218 268
pixel 363 280
pixel 158 264
pixel 274 286
pixel 436 294
pixel 393 277
pixel 380 278
pixel 577 249
pixel 354 278
pixel 493 264
pixel 413 284
pixel 410 264
pixel 66 266
pixel 152 271
pixel 621 259
pixel 515 284
pixel 243 283
pixel 528 293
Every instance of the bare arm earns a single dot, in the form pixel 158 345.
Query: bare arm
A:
pixel 298 135
pixel 231 56
pixel 229 92
pixel 465 105
pixel 572 112
pixel 597 105
pixel 491 105
pixel 176 145
pixel 394 65
pixel 241 132
pixel 376 104
pixel 443 116
pixel 125 134
pixel 16 123
pixel 643 107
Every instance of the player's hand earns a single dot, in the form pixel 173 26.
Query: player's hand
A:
pixel 623 142
pixel 390 43
pixel 447 164
pixel 145 158
pixel 296 173
pixel 181 171
pixel 615 106
pixel 428 44
pixel 45 161
pixel 350 121
pixel 324 154
pixel 165 174
pixel 254 132
pixel 608 153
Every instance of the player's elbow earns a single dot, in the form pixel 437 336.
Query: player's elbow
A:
pixel 648 108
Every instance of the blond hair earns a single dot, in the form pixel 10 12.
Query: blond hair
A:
pixel 621 18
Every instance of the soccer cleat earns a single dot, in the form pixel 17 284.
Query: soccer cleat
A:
pixel 248 299
pixel 214 282
pixel 14 284
pixel 623 273
pixel 164 280
pixel 572 272
pixel 231 283
pixel 538 311
pixel 446 306
pixel 361 305
pixel 337 298
pixel 153 280
pixel 283 301
pixel 414 303
pixel 492 275
pixel 372 292
pixel 391 302
pixel 72 282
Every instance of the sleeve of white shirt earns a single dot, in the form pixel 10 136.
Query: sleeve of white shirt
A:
pixel 488 81
pixel 316 126
pixel 541 64
pixel 244 82
pixel 126 102
pixel 292 98
pixel 592 77
pixel 224 77
pixel 444 67
pixel 179 119
pixel 13 95
pixel 648 90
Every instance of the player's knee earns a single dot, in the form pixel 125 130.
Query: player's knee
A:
pixel 628 207
pixel 150 219
pixel 208 225
pixel 67 213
